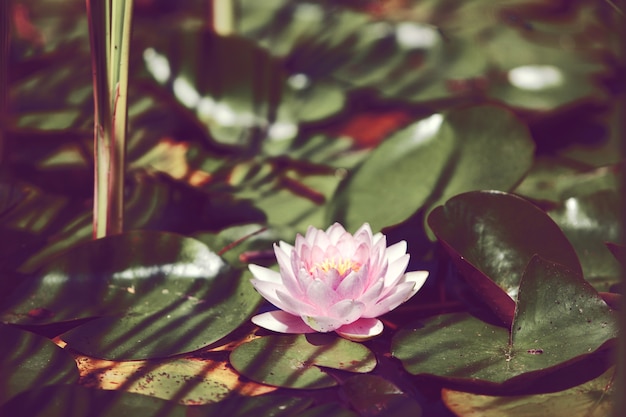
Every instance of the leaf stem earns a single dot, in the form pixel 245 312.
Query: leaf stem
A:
pixel 109 30
pixel 223 17
pixel 5 41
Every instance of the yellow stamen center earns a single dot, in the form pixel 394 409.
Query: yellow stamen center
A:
pixel 342 266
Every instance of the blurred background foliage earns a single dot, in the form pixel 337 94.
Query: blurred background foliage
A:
pixel 304 113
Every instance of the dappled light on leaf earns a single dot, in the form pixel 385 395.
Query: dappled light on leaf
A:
pixel 482 139
pixel 592 399
pixel 297 361
pixel 545 333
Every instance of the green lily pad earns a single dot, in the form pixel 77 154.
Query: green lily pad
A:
pixel 240 98
pixel 78 401
pixel 372 395
pixel 555 179
pixel 491 236
pixel 266 406
pixel 589 221
pixel 592 399
pixel 154 294
pixel 294 361
pixel 555 307
pixel 619 252
pixel 30 361
pixel 432 160
pixel 183 379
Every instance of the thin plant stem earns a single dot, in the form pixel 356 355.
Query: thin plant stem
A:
pixel 5 41
pixel 102 115
pixel 223 17
pixel 118 76
pixel 110 29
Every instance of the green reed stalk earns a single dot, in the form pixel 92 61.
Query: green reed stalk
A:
pixel 110 32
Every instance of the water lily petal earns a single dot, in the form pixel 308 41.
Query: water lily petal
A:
pixel 396 296
pixel 373 293
pixel 361 330
pixel 340 314
pixel 322 324
pixel 395 270
pixel 293 305
pixel 287 273
pixel 346 245
pixel 361 254
pixel 281 322
pixel 333 280
pixel 317 256
pixel 353 285
pixel 418 277
pixel 321 239
pixel 347 311
pixel 321 295
pixel 364 233
pixel 286 247
pixel 333 253
pixel 265 274
pixel 269 291
pixel 334 233
pixel 396 250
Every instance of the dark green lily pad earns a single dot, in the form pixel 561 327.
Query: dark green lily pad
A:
pixel 592 399
pixel 294 361
pixel 265 405
pixel 432 160
pixel 556 179
pixel 242 98
pixel 491 236
pixel 589 221
pixel 30 361
pixel 555 307
pixel 78 401
pixel 372 395
pixel 155 294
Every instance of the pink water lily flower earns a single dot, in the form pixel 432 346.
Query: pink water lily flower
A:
pixel 334 281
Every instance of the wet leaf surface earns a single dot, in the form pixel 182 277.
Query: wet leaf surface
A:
pixel 373 395
pixel 30 360
pixel 152 294
pixel 188 381
pixel 592 399
pixel 492 236
pixel 297 361
pixel 545 333
pixel 434 159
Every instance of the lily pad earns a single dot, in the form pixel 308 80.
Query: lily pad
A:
pixel 242 98
pixel 372 395
pixel 491 236
pixel 592 399
pixel 30 361
pixel 186 380
pixel 555 307
pixel 295 361
pixel 77 401
pixel 266 406
pixel 589 221
pixel 152 294
pixel 481 147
